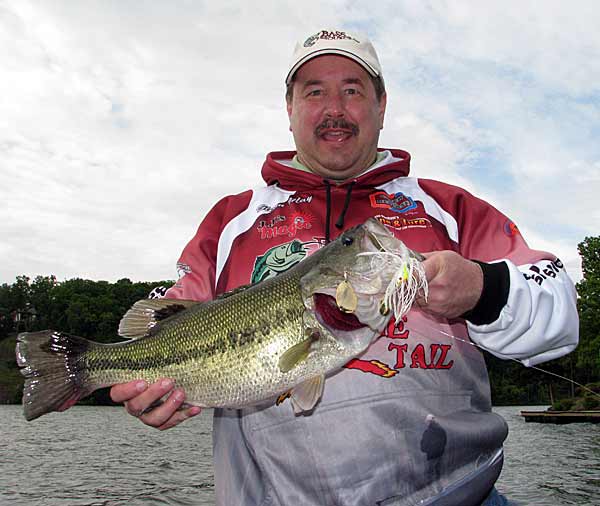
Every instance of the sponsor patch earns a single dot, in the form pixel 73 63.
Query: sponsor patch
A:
pixel 182 269
pixel 279 259
pixel 407 354
pixel 302 198
pixel 264 208
pixel 397 202
pixel 510 229
pixel 400 223
pixel 299 199
pixel 540 272
pixel 282 226
pixel 158 292
pixel 328 35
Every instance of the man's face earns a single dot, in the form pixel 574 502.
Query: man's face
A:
pixel 335 116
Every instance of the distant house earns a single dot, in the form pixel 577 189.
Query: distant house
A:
pixel 23 318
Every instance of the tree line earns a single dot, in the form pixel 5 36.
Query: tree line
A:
pixel 513 383
pixel 93 309
pixel 90 309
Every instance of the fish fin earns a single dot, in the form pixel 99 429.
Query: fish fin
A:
pixel 54 367
pixel 305 396
pixel 159 402
pixel 299 352
pixel 145 314
pixel 294 355
pixel 238 289
pixel 283 397
pixel 182 407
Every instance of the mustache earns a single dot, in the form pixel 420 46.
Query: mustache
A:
pixel 336 123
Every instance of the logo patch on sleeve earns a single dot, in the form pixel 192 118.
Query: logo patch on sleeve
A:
pixel 510 229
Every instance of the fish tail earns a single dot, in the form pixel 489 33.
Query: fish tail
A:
pixel 55 371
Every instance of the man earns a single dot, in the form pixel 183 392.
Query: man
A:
pixel 408 422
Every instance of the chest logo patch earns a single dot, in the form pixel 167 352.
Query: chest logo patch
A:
pixel 284 226
pixel 400 223
pixel 414 355
pixel 279 259
pixel 397 202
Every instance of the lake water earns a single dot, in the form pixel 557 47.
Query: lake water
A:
pixel 91 456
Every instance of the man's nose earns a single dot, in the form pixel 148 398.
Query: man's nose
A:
pixel 334 105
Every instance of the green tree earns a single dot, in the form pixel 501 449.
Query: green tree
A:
pixel 513 383
pixel 588 305
pixel 41 293
pixel 15 299
pixel 90 309
pixel 20 292
pixel 6 324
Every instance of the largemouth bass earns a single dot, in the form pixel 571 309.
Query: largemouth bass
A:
pixel 250 345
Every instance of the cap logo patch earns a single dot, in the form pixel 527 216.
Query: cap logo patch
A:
pixel 327 35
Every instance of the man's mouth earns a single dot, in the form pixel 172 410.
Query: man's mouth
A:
pixel 335 135
pixel 336 130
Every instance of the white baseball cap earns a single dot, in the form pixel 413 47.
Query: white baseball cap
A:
pixel 358 48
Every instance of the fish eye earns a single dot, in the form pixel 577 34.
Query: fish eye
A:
pixel 347 240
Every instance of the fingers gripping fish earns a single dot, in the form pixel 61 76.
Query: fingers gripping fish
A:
pixel 247 346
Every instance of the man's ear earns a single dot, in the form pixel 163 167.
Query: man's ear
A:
pixel 288 106
pixel 382 105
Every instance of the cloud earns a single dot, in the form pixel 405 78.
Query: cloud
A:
pixel 123 122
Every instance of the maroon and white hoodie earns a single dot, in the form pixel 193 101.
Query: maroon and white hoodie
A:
pixel 409 421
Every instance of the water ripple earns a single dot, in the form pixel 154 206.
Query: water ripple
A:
pixel 91 456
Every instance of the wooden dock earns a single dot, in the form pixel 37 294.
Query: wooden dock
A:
pixel 560 417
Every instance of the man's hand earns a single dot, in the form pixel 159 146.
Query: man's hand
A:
pixel 139 397
pixel 455 284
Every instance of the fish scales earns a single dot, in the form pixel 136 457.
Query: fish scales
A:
pixel 218 346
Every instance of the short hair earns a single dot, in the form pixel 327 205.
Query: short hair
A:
pixel 378 84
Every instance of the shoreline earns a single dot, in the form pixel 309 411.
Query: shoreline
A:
pixel 562 417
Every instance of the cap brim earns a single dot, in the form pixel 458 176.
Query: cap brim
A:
pixel 324 51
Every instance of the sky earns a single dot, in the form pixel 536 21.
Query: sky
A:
pixel 123 122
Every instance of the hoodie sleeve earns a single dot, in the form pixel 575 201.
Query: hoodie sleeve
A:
pixel 196 265
pixel 539 320
pixel 528 308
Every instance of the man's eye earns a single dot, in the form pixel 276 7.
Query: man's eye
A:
pixel 314 93
pixel 351 91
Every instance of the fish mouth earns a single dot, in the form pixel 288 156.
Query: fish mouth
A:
pixel 367 286
pixel 330 315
